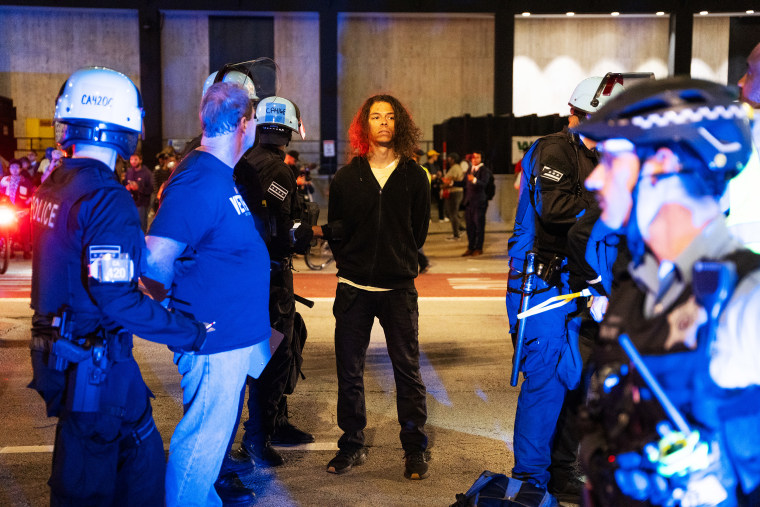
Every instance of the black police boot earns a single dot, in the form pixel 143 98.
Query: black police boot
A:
pixel 233 492
pixel 238 461
pixel 287 434
pixel 263 454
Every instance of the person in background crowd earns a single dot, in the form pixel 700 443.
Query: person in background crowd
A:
pixel 55 160
pixel 18 188
pixel 453 192
pixel 167 160
pixel 26 167
pixel 434 169
pixel 378 218
pixel 33 162
pixel 42 166
pixel 139 182
pixel 291 160
pixel 205 249
pixel 108 450
pixel 475 204
pixel 422 259
pixel 305 186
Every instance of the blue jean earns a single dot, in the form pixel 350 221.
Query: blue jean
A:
pixel 542 394
pixel 211 385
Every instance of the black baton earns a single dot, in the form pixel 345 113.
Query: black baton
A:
pixel 303 300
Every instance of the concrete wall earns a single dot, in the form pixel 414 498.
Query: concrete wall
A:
pixel 184 56
pixel 39 48
pixel 439 66
pixel 184 59
pixel 296 51
pixel 710 48
pixel 552 55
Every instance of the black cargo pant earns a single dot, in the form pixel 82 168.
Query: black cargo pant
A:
pixel 112 457
pixel 267 404
pixel 355 311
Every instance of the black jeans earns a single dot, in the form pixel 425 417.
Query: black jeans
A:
pixel 355 311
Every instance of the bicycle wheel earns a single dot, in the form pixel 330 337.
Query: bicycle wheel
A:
pixel 5 252
pixel 318 255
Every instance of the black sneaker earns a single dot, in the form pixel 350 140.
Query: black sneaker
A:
pixel 415 465
pixel 233 492
pixel 287 434
pixel 263 455
pixel 345 459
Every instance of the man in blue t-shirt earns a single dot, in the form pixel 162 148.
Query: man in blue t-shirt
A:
pixel 205 249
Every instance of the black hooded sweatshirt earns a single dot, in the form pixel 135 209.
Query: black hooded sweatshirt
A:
pixel 381 229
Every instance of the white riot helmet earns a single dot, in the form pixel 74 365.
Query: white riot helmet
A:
pixel 276 117
pixel 592 93
pixel 231 76
pixel 99 106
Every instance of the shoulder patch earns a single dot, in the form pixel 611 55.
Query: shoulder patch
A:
pixel 550 174
pixel 98 251
pixel 278 191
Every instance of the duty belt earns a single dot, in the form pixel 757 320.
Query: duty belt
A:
pixel 139 434
pixel 549 272
pixel 277 265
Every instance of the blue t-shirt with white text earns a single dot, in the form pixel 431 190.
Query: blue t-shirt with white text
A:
pixel 223 274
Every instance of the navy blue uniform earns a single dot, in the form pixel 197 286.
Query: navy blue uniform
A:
pixel 263 168
pixel 620 421
pixel 551 201
pixel 107 451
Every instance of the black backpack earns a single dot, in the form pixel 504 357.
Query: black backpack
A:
pixel 490 187
pixel 498 490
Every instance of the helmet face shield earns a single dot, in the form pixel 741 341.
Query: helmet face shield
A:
pixel 279 112
pixel 592 93
pixel 258 77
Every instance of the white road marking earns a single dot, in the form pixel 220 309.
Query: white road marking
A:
pixel 314 446
pixel 478 283
pixel 25 449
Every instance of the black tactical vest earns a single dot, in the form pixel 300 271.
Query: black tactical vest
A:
pixel 59 271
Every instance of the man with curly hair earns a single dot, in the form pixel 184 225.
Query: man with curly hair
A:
pixel 378 217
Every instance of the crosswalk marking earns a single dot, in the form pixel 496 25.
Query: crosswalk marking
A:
pixel 478 283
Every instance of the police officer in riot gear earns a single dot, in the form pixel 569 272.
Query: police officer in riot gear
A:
pixel 268 421
pixel 551 200
pixel 88 252
pixel 689 303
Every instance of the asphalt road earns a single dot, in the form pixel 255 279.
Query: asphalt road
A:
pixel 465 359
